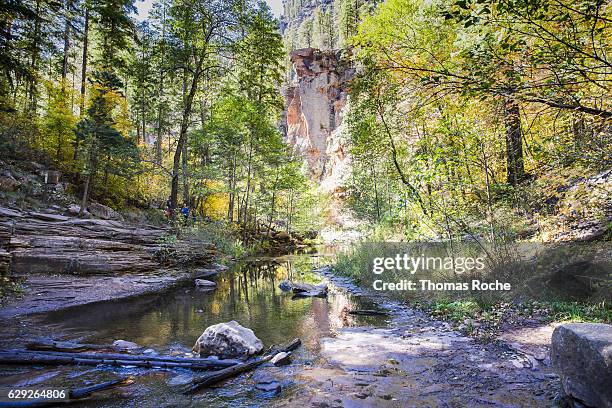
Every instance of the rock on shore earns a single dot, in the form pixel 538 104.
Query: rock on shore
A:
pixel 42 242
pixel 582 355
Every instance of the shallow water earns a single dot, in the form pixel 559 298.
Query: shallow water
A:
pixel 172 321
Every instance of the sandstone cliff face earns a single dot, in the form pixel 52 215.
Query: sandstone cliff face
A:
pixel 314 109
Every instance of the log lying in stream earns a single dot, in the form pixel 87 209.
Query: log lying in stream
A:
pixel 51 345
pixel 218 376
pixel 366 312
pixel 66 358
pixel 73 394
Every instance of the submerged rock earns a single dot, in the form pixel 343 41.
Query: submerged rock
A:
pixel 266 382
pixel 581 353
pixel 228 340
pixel 273 386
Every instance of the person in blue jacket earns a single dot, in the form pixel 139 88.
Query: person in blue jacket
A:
pixel 185 212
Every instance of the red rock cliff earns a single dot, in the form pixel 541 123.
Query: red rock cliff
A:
pixel 314 107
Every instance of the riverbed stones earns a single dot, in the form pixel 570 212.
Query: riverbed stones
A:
pixel 228 340
pixel 304 289
pixel 267 383
pixel 581 353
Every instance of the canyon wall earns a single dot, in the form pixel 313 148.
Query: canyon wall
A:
pixel 315 101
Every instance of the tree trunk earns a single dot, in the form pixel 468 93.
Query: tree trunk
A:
pixel 84 64
pixel 248 185
pixel 232 186
pixel 185 174
pixel 514 141
pixel 33 91
pixel 187 105
pixel 89 181
pixel 158 140
pixel 66 50
pixel 85 194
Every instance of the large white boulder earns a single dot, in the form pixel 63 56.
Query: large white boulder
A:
pixel 581 354
pixel 228 340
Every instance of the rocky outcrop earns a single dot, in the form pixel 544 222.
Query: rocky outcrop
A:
pixel 581 208
pixel 314 111
pixel 228 340
pixel 53 243
pixel 582 355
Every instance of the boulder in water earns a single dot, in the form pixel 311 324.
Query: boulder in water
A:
pixel 307 287
pixel 228 340
pixel 581 353
pixel 125 345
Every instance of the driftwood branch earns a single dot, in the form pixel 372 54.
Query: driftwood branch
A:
pixel 73 394
pixel 65 358
pixel 218 376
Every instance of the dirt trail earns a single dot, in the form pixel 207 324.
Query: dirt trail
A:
pixel 420 362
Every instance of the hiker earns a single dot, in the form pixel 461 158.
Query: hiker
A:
pixel 185 212
pixel 168 211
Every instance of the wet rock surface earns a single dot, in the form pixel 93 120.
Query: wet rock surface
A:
pixel 51 293
pixel 418 361
pixel 203 283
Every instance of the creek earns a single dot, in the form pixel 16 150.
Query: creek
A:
pixel 170 322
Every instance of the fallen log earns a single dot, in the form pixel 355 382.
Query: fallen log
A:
pixel 218 376
pixel 84 392
pixel 366 312
pixel 65 358
pixel 51 345
pixel 73 394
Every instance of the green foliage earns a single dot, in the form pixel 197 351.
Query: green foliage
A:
pixel 580 312
pixel 461 105
pixel 58 125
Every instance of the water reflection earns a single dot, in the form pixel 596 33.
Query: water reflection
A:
pixel 247 293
